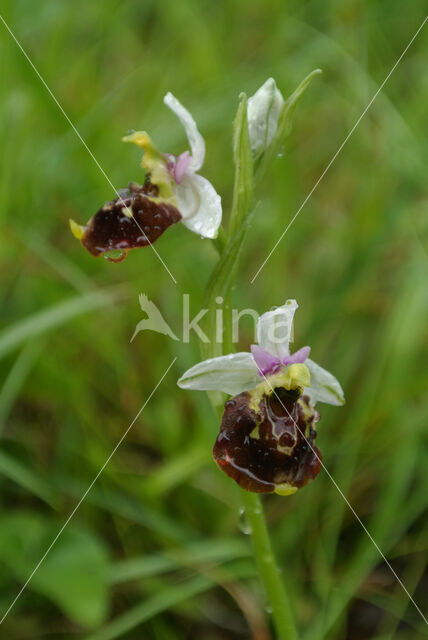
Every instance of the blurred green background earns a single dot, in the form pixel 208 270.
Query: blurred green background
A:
pixel 157 548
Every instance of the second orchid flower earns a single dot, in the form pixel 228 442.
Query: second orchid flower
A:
pixel 173 191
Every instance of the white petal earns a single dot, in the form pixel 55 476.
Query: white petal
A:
pixel 263 111
pixel 324 386
pixel 196 141
pixel 232 374
pixel 274 329
pixel 199 204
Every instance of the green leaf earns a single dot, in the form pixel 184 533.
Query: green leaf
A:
pixel 25 477
pixel 57 260
pixel 155 604
pixel 174 472
pixel 199 552
pixel 52 317
pixel 16 378
pixel 126 506
pixel 167 597
pixel 73 574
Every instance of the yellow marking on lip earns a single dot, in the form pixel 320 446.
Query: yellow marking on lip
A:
pixel 285 489
pixel 295 376
pixel 127 212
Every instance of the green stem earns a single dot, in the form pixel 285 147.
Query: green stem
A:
pixel 267 566
pixel 221 241
pixel 220 285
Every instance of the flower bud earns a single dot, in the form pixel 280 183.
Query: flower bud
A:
pixel 263 111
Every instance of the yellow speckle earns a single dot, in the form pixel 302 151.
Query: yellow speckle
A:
pixel 76 229
pixel 285 489
pixel 127 212
pixel 255 434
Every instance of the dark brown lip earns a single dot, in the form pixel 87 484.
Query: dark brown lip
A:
pixel 271 446
pixel 112 229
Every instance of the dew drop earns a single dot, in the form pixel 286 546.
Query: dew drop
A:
pixel 281 152
pixel 243 523
pixel 116 255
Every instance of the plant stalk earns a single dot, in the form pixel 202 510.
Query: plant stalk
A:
pixel 229 245
pixel 268 569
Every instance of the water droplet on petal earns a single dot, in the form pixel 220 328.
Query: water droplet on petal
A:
pixel 115 256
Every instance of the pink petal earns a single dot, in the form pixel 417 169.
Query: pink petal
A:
pixel 300 356
pixel 181 166
pixel 265 361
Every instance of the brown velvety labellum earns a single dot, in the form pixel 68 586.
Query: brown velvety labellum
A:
pixel 111 228
pixel 275 445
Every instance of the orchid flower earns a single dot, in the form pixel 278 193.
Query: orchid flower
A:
pixel 173 191
pixel 268 428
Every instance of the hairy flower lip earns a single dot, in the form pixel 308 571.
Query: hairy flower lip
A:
pixel 134 219
pixel 269 448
